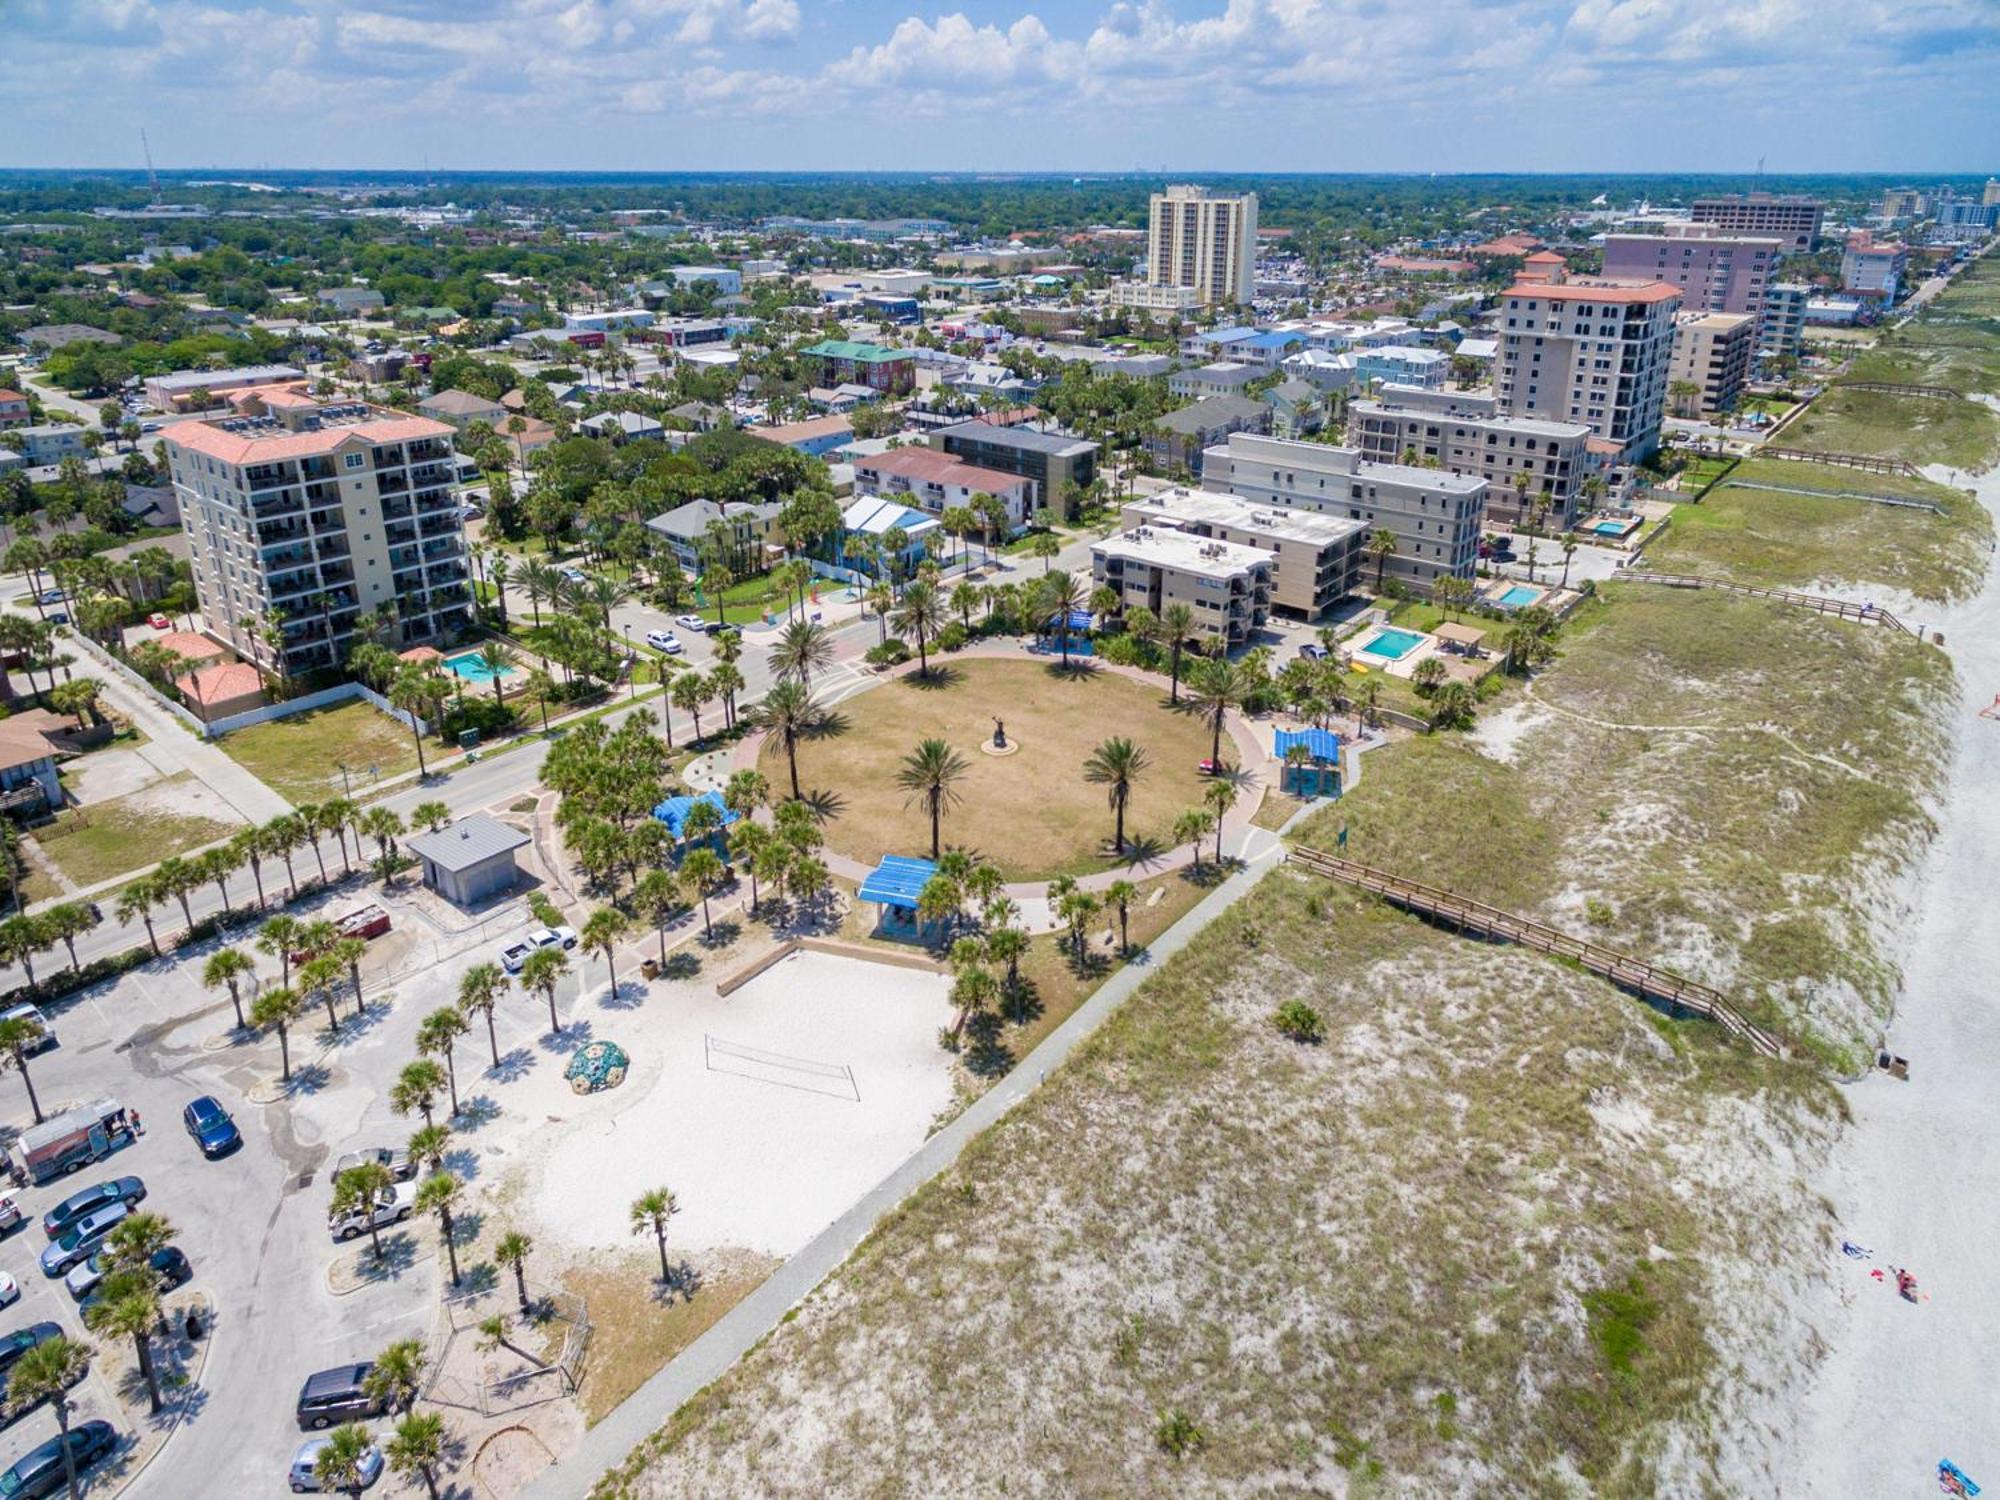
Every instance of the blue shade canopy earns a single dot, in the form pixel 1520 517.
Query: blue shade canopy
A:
pixel 1321 744
pixel 898 881
pixel 674 811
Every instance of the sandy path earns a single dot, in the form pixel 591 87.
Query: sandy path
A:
pixel 1917 1179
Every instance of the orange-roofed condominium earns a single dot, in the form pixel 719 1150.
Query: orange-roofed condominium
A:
pixel 303 518
pixel 1590 350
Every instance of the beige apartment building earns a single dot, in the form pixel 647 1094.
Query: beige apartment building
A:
pixel 1793 217
pixel 1590 350
pixel 1205 240
pixel 1712 354
pixel 306 517
pixel 1228 587
pixel 1315 559
pixel 1528 463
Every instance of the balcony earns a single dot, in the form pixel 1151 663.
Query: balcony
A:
pixel 391 484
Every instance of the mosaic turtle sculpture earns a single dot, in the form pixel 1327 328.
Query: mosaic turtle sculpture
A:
pixel 597 1065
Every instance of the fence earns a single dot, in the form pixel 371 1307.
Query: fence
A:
pixel 1894 388
pixel 1646 979
pixel 1792 489
pixel 1868 461
pixel 1818 603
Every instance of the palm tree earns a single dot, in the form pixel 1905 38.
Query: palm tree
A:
pixel 436 1196
pixel 228 967
pixel 1381 545
pixel 703 871
pixel 602 934
pixel 1121 894
pixel 410 693
pixel 1115 765
pixel 341 1462
pixel 541 972
pixel 930 774
pixel 805 648
pixel 539 581
pixel 319 978
pixel 479 990
pixel 18 1035
pixel 787 713
pixel 1220 795
pixel 920 613
pixel 397 1374
pixel 1215 687
pixel 278 1007
pixel 1569 551
pixel 1452 705
pixel 1190 828
pixel 417 1448
pixel 431 815
pixel 512 1252
pixel 359 1190
pixel 437 1034
pixel 46 1373
pixel 278 938
pixel 650 1212
pixel 138 900
pixel 1058 598
pixel 1177 626
pixel 416 1088
pixel 385 827
pixel 129 1307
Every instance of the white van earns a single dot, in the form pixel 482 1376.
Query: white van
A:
pixel 33 1013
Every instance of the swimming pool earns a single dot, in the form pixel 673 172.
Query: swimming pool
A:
pixel 1518 597
pixel 470 668
pixel 1611 528
pixel 1391 644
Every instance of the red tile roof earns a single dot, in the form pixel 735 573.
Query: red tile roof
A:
pixel 221 683
pixel 189 646
pixel 269 447
pixel 939 468
pixel 1601 291
pixel 11 396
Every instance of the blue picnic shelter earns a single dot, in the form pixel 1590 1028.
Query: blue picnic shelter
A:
pixel 1319 776
pixel 895 885
pixel 674 813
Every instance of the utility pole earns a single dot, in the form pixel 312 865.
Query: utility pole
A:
pixel 151 176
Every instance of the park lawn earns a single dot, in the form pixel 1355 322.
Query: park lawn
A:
pixel 635 1331
pixel 1728 779
pixel 1820 541
pixel 300 758
pixel 1921 429
pixel 1343 1262
pixel 108 839
pixel 1031 813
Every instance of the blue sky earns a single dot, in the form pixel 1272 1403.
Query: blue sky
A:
pixel 1283 85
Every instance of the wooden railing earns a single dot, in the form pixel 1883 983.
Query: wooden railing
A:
pixel 1868 461
pixel 1646 979
pixel 1818 603
pixel 1895 388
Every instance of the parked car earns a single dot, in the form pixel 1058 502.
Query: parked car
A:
pixel 392 1207
pixel 574 575
pixel 53 596
pixel 211 1127
pixel 665 640
pixel 41 1472
pixel 335 1396
pixel 10 1290
pixel 400 1163
pixel 25 1012
pixel 305 1466
pixel 515 954
pixel 126 1190
pixel 21 1340
pixel 11 1217
pixel 1312 651
pixel 82 1237
pixel 149 426
pixel 159 622
pixel 692 622
pixel 167 1263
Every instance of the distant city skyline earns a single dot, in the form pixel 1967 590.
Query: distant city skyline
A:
pixel 1636 86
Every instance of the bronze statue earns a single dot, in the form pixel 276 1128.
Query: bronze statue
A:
pixel 999 734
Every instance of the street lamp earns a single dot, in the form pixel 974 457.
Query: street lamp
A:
pixel 631 662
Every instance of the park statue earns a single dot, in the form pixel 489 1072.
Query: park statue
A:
pixel 999 734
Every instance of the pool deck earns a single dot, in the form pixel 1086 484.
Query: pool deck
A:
pixel 1401 666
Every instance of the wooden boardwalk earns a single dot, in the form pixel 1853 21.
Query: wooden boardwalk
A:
pixel 1818 603
pixel 1894 388
pixel 1645 979
pixel 1868 461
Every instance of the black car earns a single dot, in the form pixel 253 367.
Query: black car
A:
pixel 40 1472
pixel 169 1267
pixel 21 1340
pixel 126 1190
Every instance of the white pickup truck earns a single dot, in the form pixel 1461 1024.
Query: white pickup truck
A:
pixel 392 1207
pixel 514 954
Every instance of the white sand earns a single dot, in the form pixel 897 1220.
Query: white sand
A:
pixel 761 1154
pixel 1918 1179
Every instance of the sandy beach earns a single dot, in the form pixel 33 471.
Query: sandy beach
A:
pixel 1916 1180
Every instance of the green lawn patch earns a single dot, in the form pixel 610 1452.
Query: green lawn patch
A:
pixel 1921 429
pixel 300 758
pixel 108 839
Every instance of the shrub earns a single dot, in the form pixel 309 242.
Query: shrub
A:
pixel 1300 1022
pixel 1597 913
pixel 482 714
pixel 1178 1434
pixel 892 652
pixel 952 638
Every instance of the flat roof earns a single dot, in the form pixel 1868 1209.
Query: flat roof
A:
pixel 1217 508
pixel 1388 406
pixel 1025 438
pixel 194 380
pixel 1603 291
pixel 238 440
pixel 472 840
pixel 1168 547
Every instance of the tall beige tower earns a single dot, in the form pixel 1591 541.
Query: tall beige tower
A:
pixel 1204 240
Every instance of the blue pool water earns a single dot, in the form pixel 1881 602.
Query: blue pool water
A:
pixel 1519 596
pixel 1393 645
pixel 469 667
pixel 1611 528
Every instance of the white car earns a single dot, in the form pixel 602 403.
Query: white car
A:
pixel 515 954
pixel 10 1290
pixel 392 1207
pixel 692 622
pixel 664 640
pixel 304 1475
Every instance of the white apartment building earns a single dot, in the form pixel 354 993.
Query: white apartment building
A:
pixel 1591 351
pixel 1315 559
pixel 1228 587
pixel 1529 463
pixel 310 516
pixel 1434 515
pixel 1204 240
pixel 1160 301
pixel 1782 330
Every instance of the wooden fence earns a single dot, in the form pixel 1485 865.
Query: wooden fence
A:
pixel 1645 979
pixel 1895 388
pixel 1867 461
pixel 1818 603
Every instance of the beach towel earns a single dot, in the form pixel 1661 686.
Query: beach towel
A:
pixel 1952 1479
pixel 1853 1251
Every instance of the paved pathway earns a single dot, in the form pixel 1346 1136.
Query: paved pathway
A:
pixel 711 1355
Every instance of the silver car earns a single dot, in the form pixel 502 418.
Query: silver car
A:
pixel 82 1237
pixel 305 1466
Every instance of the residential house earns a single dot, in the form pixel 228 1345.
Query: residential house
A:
pixel 221 690
pixel 816 436
pixel 13 410
pixel 460 409
pixel 352 301
pixel 1224 378
pixel 1051 460
pixel 51 443
pixel 743 529
pixel 621 427
pixel 840 361
pixel 1298 408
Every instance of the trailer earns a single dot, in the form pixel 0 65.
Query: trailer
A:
pixel 70 1141
pixel 365 922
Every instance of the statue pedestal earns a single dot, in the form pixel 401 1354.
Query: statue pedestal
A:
pixel 989 748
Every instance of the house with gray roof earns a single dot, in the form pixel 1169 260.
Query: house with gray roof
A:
pixel 1182 435
pixel 685 530
pixel 471 860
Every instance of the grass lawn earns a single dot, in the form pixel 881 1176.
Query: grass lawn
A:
pixel 1031 813
pixel 300 758
pixel 1922 429
pixel 1726 779
pixel 106 839
pixel 1417 614
pixel 1818 541
pixel 634 1331
pixel 1343 1262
